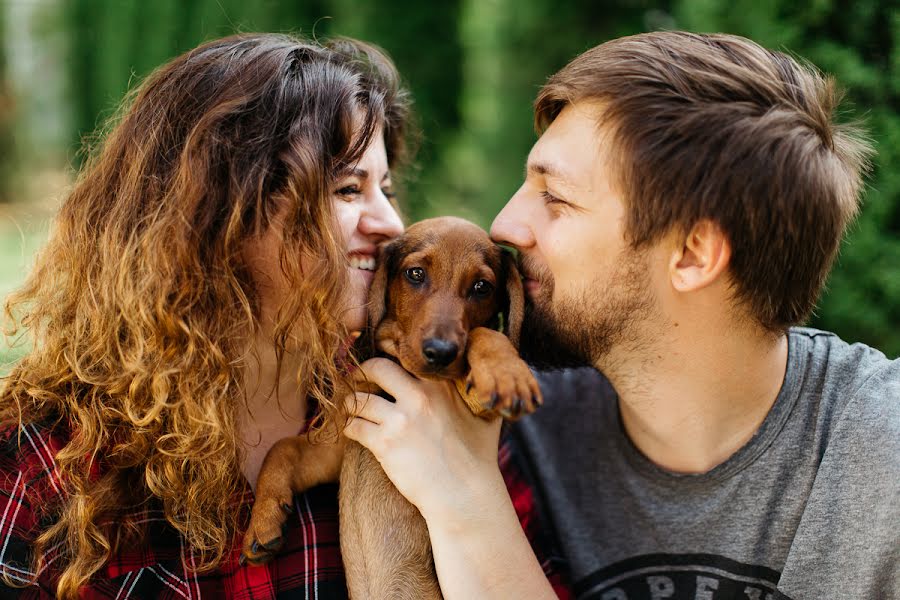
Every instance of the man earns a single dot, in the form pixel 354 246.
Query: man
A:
pixel 679 215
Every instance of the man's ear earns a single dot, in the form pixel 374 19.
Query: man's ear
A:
pixel 704 254
pixel 516 296
pixel 379 288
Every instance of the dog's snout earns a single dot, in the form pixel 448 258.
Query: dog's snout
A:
pixel 439 352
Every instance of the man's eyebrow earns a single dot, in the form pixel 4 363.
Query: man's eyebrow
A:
pixel 546 169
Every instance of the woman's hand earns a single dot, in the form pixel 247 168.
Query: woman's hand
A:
pixel 440 456
pixel 443 459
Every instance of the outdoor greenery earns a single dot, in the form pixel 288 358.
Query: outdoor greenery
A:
pixel 474 67
pixel 7 154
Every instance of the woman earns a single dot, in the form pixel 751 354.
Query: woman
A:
pixel 191 308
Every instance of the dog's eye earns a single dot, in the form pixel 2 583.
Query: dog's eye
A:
pixel 482 288
pixel 416 274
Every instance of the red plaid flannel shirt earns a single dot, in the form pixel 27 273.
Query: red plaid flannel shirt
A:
pixel 309 566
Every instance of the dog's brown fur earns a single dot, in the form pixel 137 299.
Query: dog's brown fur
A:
pixel 384 540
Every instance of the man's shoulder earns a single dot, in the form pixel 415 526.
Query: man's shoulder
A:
pixel 868 425
pixel 855 381
pixel 851 510
pixel 851 364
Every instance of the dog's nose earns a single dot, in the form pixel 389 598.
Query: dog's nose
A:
pixel 439 352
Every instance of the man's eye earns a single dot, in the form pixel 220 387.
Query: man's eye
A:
pixel 482 288
pixel 416 274
pixel 551 199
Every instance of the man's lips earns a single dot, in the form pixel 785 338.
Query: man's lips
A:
pixel 532 286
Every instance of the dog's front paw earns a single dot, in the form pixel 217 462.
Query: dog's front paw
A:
pixel 265 535
pixel 509 388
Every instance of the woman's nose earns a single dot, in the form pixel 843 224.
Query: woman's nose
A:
pixel 381 218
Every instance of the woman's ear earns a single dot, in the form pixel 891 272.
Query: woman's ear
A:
pixel 516 296
pixel 378 290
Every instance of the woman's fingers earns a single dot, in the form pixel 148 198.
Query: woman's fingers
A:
pixel 362 431
pixel 390 377
pixel 371 407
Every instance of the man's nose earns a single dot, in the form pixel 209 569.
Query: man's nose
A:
pixel 510 226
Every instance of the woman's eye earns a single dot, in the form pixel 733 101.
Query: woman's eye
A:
pixel 389 193
pixel 416 274
pixel 482 288
pixel 348 191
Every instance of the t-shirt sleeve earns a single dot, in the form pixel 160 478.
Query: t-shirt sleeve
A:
pixel 524 501
pixel 27 474
pixel 848 542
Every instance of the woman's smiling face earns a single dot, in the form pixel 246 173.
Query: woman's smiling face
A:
pixel 365 216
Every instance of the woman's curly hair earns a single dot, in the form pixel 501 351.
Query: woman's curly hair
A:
pixel 141 307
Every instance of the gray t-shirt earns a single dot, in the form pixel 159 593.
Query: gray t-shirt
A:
pixel 809 508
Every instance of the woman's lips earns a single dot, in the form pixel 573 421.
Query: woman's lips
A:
pixel 365 275
pixel 362 265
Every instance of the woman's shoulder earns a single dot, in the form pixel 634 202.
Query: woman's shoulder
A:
pixel 29 485
pixel 161 567
pixel 27 459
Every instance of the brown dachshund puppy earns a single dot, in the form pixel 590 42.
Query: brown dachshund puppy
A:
pixel 441 294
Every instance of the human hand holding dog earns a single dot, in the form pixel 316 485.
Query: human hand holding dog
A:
pixel 443 459
pixel 440 456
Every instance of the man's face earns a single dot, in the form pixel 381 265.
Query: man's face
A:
pixel 587 291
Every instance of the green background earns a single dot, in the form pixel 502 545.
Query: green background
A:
pixel 474 68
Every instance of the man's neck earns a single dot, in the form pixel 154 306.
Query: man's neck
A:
pixel 698 395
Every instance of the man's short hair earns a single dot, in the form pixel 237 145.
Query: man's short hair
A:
pixel 717 127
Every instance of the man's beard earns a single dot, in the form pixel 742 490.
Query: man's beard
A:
pixel 582 329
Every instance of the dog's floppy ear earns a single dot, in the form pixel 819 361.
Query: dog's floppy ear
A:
pixel 516 296
pixel 379 288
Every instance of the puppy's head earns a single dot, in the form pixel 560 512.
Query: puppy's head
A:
pixel 435 283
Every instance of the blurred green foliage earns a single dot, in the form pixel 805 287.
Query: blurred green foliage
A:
pixel 475 66
pixel 7 148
